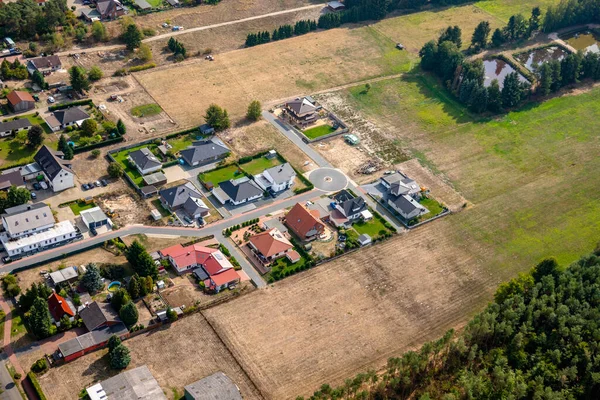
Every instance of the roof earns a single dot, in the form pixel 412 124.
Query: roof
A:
pixel 143 4
pixel 204 150
pixel 147 190
pixel 15 97
pixel 107 6
pixel 217 386
pixel 65 274
pixel 178 195
pixel 206 129
pixel 200 274
pixel 407 204
pixel 364 238
pixel 293 255
pixel 70 115
pixel 229 275
pixel 134 384
pixel 90 339
pixel 26 217
pixel 58 233
pixel 194 206
pixel 335 5
pixel 301 106
pixel 301 220
pixel 144 158
pixel 46 62
pixel 240 189
pixel 281 173
pixel 51 162
pixel 94 214
pixel 212 260
pixel 12 178
pixel 96 314
pixel 270 242
pixel 350 205
pixel 15 124
pixel 58 307
pixel 155 178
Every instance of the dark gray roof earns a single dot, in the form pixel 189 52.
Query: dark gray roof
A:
pixel 90 339
pixel 144 158
pixel 143 4
pixel 51 162
pixel 350 204
pixel 206 129
pixel 281 173
pixel 15 125
pixel 150 189
pixel 96 314
pixel 217 386
pixel 46 62
pixel 106 6
pixel 178 195
pixel 301 106
pixel 13 178
pixel 69 115
pixel 240 189
pixel 200 273
pixel 194 205
pixel 204 150
pixel 406 203
pixel 156 178
pixel 27 216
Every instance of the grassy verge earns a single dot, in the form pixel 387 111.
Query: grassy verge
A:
pixel 158 205
pixel 18 325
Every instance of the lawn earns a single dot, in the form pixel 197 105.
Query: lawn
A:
pixel 155 3
pixel 373 227
pixel 318 131
pixel 146 110
pixel 284 267
pixel 158 205
pixel 434 207
pixel 13 152
pixel 219 175
pixel 182 142
pixel 258 165
pixel 18 326
pixel 121 158
pixel 37 120
pixel 78 206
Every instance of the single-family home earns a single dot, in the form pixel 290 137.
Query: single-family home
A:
pixel 90 14
pixel 186 197
pixel 270 245
pixel 403 194
pixel 335 6
pixel 304 223
pixel 399 184
pixel 60 119
pixel 276 179
pixel 406 206
pixel 110 9
pixel 237 191
pixel 348 208
pixel 99 315
pixel 94 218
pixel 11 127
pixel 204 152
pixel 65 275
pixel 11 178
pixel 88 342
pixel 301 111
pixel 20 101
pixel 133 384
pixel 55 169
pixel 59 307
pixel 145 161
pixel 215 386
pixel 44 65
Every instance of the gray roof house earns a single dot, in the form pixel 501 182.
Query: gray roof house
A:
pixel 57 171
pixel 186 197
pixel 399 184
pixel 97 315
pixel 44 65
pixel 142 4
pixel 238 191
pixel 217 386
pixel 204 152
pixel 349 206
pixel 406 206
pixel 69 274
pixel 26 219
pixel 145 161
pixel 8 127
pixel 60 119
pixel 277 178
pixel 134 384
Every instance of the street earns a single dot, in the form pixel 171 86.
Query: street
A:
pixel 9 389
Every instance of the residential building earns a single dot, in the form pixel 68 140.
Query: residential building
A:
pixel 65 275
pixel 59 307
pixel 30 171
pixel 348 208
pixel 95 218
pixel 11 178
pixel 134 384
pixel 11 127
pixel 27 219
pixel 110 9
pixel 155 179
pixel 90 14
pixel 217 386
pixel 304 223
pixel 204 152
pixel 60 119
pixel 20 101
pixel 145 161
pixel 301 111
pixel 276 179
pixel 406 206
pixel 270 245
pixel 57 235
pixel 44 65
pixel 336 6
pixel 99 315
pixel 399 184
pixel 403 194
pixel 88 342
pixel 237 191
pixel 55 169
pixel 184 197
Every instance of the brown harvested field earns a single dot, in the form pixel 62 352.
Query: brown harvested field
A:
pixel 272 71
pixel 352 314
pixel 176 355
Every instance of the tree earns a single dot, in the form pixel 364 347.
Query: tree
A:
pixel 498 38
pixel 571 68
pixel 68 153
pixel 10 285
pixel 39 80
pixel 99 32
pixel 96 153
pixel 17 196
pixel 78 79
pixel 132 37
pixel 36 290
pixel 119 299
pixel 38 319
pixel 119 357
pixel 62 143
pixel 113 342
pixel 115 170
pixel 516 27
pixel 511 90
pixel 129 314
pixel 217 117
pixel 451 34
pixel 556 76
pixel 121 127
pixel 134 287
pixel 65 323
pixel 428 54
pixel 144 52
pixel 95 74
pixel 141 262
pixel 254 111
pixel 494 97
pixel 89 127
pixel 35 136
pixel 171 314
pixel 535 20
pixel 545 79
pixel 481 35
pixel 91 280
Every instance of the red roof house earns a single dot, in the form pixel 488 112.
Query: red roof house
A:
pixel 270 244
pixel 20 101
pixel 304 223
pixel 58 307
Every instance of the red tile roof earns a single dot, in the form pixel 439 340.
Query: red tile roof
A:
pixel 270 242
pixel 224 277
pixel 301 220
pixel 58 307
pixel 293 256
pixel 15 97
pixel 212 260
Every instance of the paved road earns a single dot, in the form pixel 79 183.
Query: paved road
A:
pixel 9 389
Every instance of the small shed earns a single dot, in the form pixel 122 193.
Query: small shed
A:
pixel 148 191
pixel 271 154
pixel 364 239
pixel 162 149
pixel 155 179
pixel 336 6
pixel 143 4
pixel 68 274
pixel 206 129
pixel 352 139
pixel 156 215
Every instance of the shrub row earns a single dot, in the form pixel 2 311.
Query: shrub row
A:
pixel 227 232
pixel 36 385
pixel 143 67
pixel 247 159
pixel 177 134
pixel 103 143
pixel 384 221
pixel 87 102
pixel 170 163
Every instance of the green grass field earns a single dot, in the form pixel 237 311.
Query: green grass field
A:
pixel 182 142
pixel 146 110
pixel 371 227
pixel 318 131
pixel 79 206
pixel 258 165
pixel 433 206
pixel 219 175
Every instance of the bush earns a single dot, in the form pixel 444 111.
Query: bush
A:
pixel 87 102
pixel 40 366
pixel 143 67
pixel 36 385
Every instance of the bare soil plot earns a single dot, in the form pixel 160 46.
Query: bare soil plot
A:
pixel 130 209
pixel 144 313
pixel 157 242
pixel 176 355
pixel 345 157
pixel 190 294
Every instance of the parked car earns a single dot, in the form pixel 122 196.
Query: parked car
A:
pixel 37 186
pixel 6 260
pixel 51 99
pixel 97 183
pixel 44 185
pixel 187 219
pixel 33 196
pixel 91 185
pixel 84 187
pixel 103 182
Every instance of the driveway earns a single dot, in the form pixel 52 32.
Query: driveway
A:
pixel 9 389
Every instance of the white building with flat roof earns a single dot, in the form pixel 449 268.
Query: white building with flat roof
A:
pixel 57 235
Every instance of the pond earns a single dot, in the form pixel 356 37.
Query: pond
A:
pixel 498 69
pixel 533 59
pixel 587 41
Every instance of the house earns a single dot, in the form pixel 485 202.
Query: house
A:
pixel 61 233
pixel 301 111
pixel 11 127
pixel 185 197
pixel 364 239
pixel 215 386
pixel 143 5
pixel 145 161
pixel 20 101
pixel 304 223
pixel 59 307
pixel 95 218
pixel 204 152
pixel 99 315
pixel 26 219
pixel 110 9
pixel 206 129
pixel 88 342
pixel 349 208
pixel 11 178
pixel 65 275
pixel 403 194
pixel 276 179
pixel 270 245
pixel 399 184
pixel 44 65
pixel 60 119
pixel 335 6
pixel 155 179
pixel 237 191
pixel 133 384
pixel 90 14
pixel 406 206
pixel 55 169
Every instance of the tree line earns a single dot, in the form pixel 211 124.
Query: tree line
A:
pixel 538 339
pixel 283 32
pixel 571 12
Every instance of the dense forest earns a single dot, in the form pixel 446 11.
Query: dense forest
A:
pixel 539 339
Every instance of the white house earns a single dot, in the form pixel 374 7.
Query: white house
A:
pixel 57 171
pixel 407 206
pixel 238 191
pixel 145 161
pixel 276 179
pixel 9 127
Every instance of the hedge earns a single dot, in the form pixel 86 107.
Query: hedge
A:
pixel 103 143
pixel 170 163
pixel 142 67
pixel 36 385
pixel 247 159
pixel 87 102
pixel 176 134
